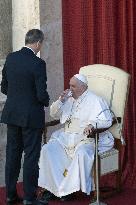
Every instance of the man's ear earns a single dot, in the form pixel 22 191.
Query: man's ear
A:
pixel 37 44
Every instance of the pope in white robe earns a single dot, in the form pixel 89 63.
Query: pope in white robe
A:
pixel 66 161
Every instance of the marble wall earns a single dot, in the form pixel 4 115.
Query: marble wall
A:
pixel 5 28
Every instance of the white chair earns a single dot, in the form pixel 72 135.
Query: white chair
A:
pixel 112 84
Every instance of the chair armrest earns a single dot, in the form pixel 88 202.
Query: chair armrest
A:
pixel 52 123
pixel 100 130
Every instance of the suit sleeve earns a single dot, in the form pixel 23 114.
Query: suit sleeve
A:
pixel 41 84
pixel 4 82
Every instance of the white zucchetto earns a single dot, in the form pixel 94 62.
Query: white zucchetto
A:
pixel 81 77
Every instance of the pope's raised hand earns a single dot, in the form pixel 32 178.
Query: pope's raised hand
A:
pixel 65 95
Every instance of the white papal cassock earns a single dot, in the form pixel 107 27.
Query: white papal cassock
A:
pixel 66 160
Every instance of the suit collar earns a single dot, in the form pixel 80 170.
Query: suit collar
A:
pixel 27 50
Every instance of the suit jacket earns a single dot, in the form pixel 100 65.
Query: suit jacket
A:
pixel 24 82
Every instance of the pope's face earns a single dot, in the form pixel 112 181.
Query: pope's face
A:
pixel 75 87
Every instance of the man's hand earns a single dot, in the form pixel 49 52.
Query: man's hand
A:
pixel 65 95
pixel 88 130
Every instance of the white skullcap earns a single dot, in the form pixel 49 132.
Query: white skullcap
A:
pixel 81 77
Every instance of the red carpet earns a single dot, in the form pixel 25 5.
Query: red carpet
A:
pixel 126 197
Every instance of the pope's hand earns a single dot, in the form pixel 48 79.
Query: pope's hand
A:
pixel 88 130
pixel 65 95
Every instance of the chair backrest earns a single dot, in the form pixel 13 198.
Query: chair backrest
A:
pixel 112 84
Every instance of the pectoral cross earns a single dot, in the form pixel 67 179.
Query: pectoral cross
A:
pixel 69 122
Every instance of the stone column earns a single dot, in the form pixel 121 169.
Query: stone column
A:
pixel 25 16
pixel 6 28
pixel 5 48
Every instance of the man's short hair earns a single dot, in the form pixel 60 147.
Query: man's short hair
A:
pixel 33 36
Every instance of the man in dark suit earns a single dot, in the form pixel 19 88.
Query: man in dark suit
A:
pixel 24 82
